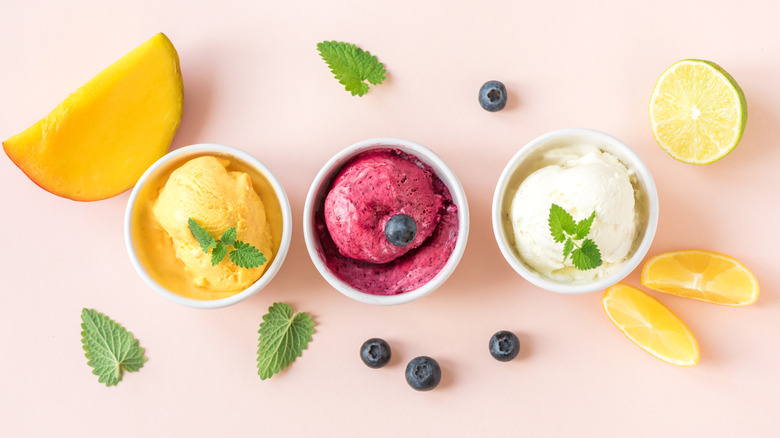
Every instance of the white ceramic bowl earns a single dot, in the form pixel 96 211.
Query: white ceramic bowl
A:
pixel 321 185
pixel 521 165
pixel 177 158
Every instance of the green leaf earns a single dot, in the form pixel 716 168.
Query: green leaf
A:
pixel 352 66
pixel 564 228
pixel 583 227
pixel 567 247
pixel 246 256
pixel 229 236
pixel 283 337
pixel 560 221
pixel 110 349
pixel 586 256
pixel 219 253
pixel 205 240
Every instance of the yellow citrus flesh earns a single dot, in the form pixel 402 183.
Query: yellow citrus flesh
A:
pixel 98 141
pixel 650 325
pixel 701 275
pixel 697 112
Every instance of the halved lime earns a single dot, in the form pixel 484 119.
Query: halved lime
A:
pixel 698 112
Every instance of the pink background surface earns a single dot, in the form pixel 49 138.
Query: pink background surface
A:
pixel 253 80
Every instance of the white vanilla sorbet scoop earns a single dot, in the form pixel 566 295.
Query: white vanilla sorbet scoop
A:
pixel 581 179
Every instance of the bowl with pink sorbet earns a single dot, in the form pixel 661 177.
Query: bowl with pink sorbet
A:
pixel 385 221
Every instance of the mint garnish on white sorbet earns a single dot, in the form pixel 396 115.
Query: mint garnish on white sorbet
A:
pixel 566 230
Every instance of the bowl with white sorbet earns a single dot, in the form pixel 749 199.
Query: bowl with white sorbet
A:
pixel 575 211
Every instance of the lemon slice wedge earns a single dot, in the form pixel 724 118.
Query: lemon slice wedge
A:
pixel 701 275
pixel 650 325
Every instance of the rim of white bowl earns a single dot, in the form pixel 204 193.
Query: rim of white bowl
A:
pixel 276 263
pixel 599 139
pixel 325 176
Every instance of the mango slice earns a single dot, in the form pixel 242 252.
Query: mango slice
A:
pixel 98 141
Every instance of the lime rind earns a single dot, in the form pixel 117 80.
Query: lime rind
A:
pixel 721 149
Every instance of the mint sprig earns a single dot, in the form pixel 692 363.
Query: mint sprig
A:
pixel 564 229
pixel 283 337
pixel 352 66
pixel 243 254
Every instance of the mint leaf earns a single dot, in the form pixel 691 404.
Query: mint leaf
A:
pixel 586 256
pixel 110 349
pixel 560 221
pixel 219 253
pixel 229 236
pixel 567 247
pixel 564 228
pixel 283 337
pixel 246 255
pixel 243 254
pixel 201 235
pixel 352 66
pixel 583 227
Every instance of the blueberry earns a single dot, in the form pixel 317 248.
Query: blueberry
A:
pixel 423 373
pixel 375 353
pixel 492 96
pixel 504 346
pixel 400 230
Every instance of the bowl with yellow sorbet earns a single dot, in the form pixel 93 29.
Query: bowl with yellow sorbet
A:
pixel 575 211
pixel 207 226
